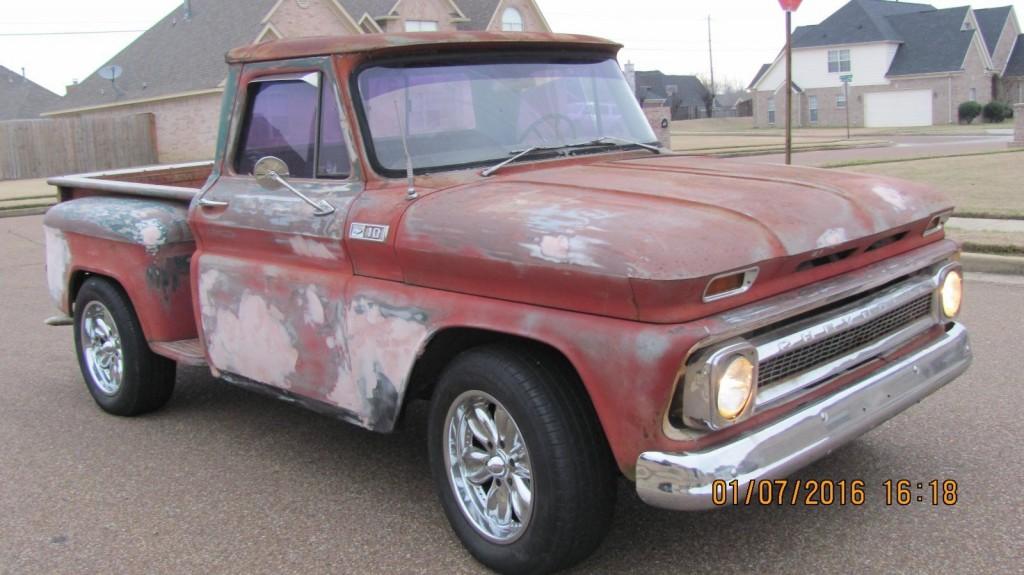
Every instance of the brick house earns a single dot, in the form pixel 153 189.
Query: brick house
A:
pixel 1013 75
pixel 176 69
pixel 912 65
pixel 21 98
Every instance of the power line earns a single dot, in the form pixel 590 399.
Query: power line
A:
pixel 70 33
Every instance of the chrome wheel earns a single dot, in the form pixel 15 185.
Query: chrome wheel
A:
pixel 101 346
pixel 488 467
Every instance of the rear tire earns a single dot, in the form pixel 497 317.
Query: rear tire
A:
pixel 122 374
pixel 547 510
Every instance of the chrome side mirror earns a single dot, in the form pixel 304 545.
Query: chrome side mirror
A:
pixel 270 173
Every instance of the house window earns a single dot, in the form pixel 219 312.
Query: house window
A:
pixel 974 95
pixel 512 20
pixel 421 26
pixel 812 106
pixel 841 101
pixel 771 110
pixel 838 61
pixel 283 119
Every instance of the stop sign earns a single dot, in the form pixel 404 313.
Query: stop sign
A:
pixel 790 5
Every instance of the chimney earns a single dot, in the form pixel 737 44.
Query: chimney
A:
pixel 631 76
pixel 187 6
pixel 22 72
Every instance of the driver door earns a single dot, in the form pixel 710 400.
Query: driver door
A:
pixel 271 267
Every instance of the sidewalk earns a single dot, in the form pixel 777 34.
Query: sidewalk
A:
pixel 1001 237
pixel 25 196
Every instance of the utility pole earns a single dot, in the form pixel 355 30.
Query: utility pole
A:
pixel 789 87
pixel 711 57
pixel 789 6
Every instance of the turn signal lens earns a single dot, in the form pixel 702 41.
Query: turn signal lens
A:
pixel 952 293
pixel 735 387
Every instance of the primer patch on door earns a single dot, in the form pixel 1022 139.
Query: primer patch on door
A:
pixel 368 232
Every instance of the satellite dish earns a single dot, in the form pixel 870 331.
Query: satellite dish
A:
pixel 111 72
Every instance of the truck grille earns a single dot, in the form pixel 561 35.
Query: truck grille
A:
pixel 785 365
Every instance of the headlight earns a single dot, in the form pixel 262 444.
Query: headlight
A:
pixel 719 386
pixel 735 387
pixel 951 293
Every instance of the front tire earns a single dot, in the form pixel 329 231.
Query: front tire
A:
pixel 122 374
pixel 519 460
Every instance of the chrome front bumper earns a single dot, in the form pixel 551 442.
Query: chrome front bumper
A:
pixel 683 481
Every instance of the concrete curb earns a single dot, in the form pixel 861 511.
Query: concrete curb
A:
pixel 992 264
pixel 29 211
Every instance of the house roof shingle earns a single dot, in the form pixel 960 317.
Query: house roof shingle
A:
pixel 21 98
pixel 479 13
pixel 178 55
pixel 991 22
pixel 1015 67
pixel 690 91
pixel 175 55
pixel 761 72
pixel 857 22
pixel 932 42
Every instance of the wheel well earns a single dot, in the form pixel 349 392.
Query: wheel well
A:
pixel 448 344
pixel 74 285
pixel 78 279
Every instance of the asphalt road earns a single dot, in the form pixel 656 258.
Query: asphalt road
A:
pixel 224 481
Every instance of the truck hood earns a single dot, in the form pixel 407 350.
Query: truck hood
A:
pixel 639 238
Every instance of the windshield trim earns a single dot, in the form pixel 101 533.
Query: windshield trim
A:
pixel 542 56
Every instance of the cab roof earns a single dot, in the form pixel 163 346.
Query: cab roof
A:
pixel 414 42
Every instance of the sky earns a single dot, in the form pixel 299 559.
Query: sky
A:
pixel 669 35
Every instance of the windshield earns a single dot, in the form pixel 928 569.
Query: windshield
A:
pixel 457 115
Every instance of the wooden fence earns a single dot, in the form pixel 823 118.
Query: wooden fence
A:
pixel 44 148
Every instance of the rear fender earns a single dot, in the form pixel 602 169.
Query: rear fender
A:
pixel 144 245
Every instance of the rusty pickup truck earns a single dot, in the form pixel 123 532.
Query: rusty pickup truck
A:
pixel 485 221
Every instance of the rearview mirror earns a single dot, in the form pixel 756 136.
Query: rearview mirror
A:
pixel 269 172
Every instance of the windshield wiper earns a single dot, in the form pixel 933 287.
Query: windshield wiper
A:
pixel 609 139
pixel 602 141
pixel 517 155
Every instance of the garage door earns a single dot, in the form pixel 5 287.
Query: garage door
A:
pixel 895 109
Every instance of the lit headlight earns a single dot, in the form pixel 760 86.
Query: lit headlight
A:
pixel 735 387
pixel 719 387
pixel 951 293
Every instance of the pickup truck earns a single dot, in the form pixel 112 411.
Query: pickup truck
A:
pixel 485 221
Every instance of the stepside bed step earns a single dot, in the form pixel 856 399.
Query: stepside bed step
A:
pixel 183 351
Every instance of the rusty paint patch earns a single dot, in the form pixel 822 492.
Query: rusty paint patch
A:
pixel 167 275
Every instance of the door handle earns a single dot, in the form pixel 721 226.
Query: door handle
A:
pixel 205 203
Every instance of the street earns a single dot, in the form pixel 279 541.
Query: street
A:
pixel 226 481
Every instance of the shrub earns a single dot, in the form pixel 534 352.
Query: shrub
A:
pixel 996 112
pixel 969 111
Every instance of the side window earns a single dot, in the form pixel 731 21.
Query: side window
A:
pixel 280 120
pixel 333 161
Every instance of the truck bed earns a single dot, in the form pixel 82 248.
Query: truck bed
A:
pixel 172 182
pixel 130 226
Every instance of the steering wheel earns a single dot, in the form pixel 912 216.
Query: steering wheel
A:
pixel 554 120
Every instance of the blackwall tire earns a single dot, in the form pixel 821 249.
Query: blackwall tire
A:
pixel 122 374
pixel 500 409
